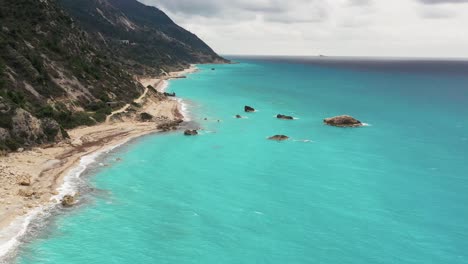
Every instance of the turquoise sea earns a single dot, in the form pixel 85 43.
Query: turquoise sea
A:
pixel 395 191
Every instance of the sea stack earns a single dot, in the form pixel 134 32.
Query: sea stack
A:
pixel 249 109
pixel 189 132
pixel 279 138
pixel 285 117
pixel 342 121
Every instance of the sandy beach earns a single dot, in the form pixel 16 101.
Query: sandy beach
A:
pixel 33 179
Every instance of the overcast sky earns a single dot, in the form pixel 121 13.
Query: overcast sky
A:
pixel 415 28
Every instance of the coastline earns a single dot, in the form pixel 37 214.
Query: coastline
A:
pixel 52 169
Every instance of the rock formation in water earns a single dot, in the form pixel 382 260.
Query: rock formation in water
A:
pixel 189 132
pixel 279 138
pixel 285 117
pixel 249 109
pixel 342 121
pixel 68 200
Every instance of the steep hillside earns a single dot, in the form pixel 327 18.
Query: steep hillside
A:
pixel 60 71
pixel 140 34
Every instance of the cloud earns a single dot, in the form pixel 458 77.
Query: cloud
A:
pixel 439 13
pixel 434 2
pixel 278 11
pixel 360 2
pixel 330 27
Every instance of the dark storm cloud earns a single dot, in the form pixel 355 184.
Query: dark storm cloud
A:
pixel 279 11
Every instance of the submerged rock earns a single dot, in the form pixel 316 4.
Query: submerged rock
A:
pixel 279 138
pixel 285 117
pixel 249 109
pixel 68 200
pixel 342 121
pixel 238 116
pixel 189 132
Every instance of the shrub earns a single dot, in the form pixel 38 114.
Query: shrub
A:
pixel 146 117
pixel 2 72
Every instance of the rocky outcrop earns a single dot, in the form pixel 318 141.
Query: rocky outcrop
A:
pixel 249 109
pixel 342 121
pixel 285 117
pixel 27 126
pixel 68 200
pixel 171 125
pixel 170 94
pixel 52 130
pixel 32 130
pixel 4 134
pixel 279 138
pixel 189 132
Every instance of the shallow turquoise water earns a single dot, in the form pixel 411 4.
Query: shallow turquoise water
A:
pixel 392 192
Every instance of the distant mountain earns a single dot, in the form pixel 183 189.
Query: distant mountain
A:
pixel 140 34
pixel 61 61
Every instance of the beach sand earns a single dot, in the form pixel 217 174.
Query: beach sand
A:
pixel 34 179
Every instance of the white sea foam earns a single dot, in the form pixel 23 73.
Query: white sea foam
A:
pixel 164 86
pixel 17 229
pixel 365 124
pixel 184 109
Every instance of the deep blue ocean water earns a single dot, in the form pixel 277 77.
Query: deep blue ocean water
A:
pixel 395 191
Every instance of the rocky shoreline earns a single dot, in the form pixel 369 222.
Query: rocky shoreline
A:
pixel 32 179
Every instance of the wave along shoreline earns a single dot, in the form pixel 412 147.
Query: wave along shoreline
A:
pixel 18 228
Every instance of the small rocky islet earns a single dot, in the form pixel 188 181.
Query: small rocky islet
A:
pixel 343 121
pixel 279 137
pixel 190 132
pixel 284 117
pixel 249 109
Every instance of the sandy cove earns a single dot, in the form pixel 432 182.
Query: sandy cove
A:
pixel 31 179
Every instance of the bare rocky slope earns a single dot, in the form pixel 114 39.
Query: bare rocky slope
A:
pixel 66 63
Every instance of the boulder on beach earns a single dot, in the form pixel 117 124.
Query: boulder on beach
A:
pixel 285 117
pixel 24 180
pixel 68 200
pixel 171 125
pixel 26 193
pixel 189 132
pixel 249 109
pixel 279 138
pixel 342 121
